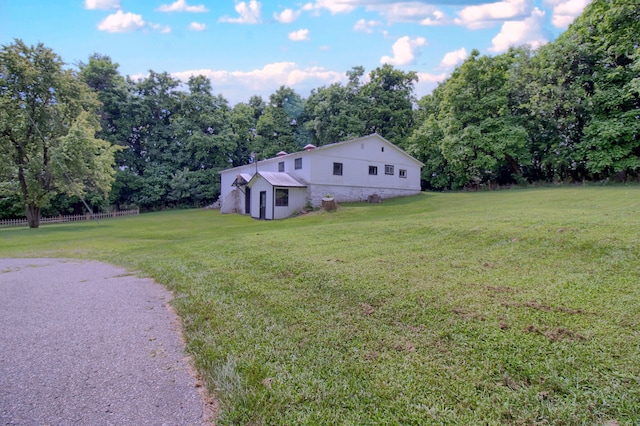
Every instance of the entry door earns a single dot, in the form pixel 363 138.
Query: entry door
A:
pixel 263 204
pixel 247 201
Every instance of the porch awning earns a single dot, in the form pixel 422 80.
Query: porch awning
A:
pixel 242 179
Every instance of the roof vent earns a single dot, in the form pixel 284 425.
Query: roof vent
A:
pixel 309 147
pixel 281 153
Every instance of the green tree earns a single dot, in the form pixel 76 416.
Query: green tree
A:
pixel 279 128
pixel 48 124
pixel 152 145
pixel 333 113
pixel 103 77
pixel 481 137
pixel 243 121
pixel 555 91
pixel 610 30
pixel 116 119
pixel 425 143
pixel 389 103
pixel 207 144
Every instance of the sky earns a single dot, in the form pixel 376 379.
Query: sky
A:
pixel 253 47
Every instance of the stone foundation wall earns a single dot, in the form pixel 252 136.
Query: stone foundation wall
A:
pixel 347 194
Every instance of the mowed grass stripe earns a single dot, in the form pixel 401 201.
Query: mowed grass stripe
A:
pixel 508 307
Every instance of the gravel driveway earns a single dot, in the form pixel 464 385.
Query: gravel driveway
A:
pixel 86 343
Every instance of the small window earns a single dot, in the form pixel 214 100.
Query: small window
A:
pixel 373 170
pixel 388 169
pixel 382 149
pixel 402 173
pixel 337 169
pixel 281 166
pixel 298 163
pixel 282 197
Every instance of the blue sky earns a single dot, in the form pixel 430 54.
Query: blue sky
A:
pixel 253 47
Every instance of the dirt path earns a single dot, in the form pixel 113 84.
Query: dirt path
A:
pixel 83 342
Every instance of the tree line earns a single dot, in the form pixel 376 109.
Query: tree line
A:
pixel 568 111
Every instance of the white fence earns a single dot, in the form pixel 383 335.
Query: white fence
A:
pixel 10 223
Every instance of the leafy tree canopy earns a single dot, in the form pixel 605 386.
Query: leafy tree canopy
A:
pixel 48 124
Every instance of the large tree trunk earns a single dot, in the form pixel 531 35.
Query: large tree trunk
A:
pixel 33 215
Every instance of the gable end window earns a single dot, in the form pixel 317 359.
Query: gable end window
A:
pixel 402 173
pixel 281 166
pixel 388 169
pixel 282 197
pixel 298 164
pixel 373 170
pixel 337 169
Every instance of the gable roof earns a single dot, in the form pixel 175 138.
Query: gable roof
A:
pixel 328 147
pixel 363 138
pixel 278 179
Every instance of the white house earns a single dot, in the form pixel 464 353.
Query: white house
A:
pixel 349 171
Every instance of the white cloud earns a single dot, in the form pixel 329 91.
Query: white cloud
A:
pixel 275 74
pixel 249 13
pixel 391 10
pixel 102 4
pixel 424 77
pixel 566 11
pixel 120 22
pixel 239 86
pixel 436 18
pixel 197 26
pixel 486 15
pixel 427 82
pixel 333 6
pixel 287 16
pixel 300 35
pixel 181 6
pixel 514 33
pixel 451 59
pixel 366 26
pixel 403 11
pixel 164 29
pixel 405 51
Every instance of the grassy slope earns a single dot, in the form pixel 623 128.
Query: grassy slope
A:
pixel 497 307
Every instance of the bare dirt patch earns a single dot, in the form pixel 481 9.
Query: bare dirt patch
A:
pixel 555 334
pixel 546 308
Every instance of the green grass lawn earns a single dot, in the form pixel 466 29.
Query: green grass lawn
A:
pixel 509 307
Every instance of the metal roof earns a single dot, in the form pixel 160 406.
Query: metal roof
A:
pixel 280 179
pixel 241 179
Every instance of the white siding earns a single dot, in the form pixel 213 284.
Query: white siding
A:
pixel 228 203
pixel 356 184
pixel 258 186
pixel 297 201
pixel 303 174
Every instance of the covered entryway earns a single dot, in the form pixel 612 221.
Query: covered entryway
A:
pixel 275 195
